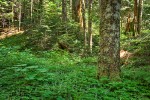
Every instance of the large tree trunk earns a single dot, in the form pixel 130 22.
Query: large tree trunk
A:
pixel 90 23
pixel 109 56
pixel 140 7
pixel 76 11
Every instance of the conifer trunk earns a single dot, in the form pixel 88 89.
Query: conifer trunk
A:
pixel 76 11
pixel 140 8
pixel 135 19
pixel 84 24
pixel 90 23
pixel 19 16
pixel 109 55
pixel 64 11
pixel 31 10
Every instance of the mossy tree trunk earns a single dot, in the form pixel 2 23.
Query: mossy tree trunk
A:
pixel 109 55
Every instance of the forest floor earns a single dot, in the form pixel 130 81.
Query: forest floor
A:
pixel 7 32
pixel 60 75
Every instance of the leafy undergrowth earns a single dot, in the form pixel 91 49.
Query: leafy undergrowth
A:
pixel 58 75
pixel 140 47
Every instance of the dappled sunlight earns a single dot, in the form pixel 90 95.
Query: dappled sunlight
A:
pixel 8 32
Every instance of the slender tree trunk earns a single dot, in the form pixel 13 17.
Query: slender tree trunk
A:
pixel 64 11
pixel 31 10
pixel 135 19
pixel 3 21
pixel 12 19
pixel 90 24
pixel 19 16
pixel 40 11
pixel 140 7
pixel 24 14
pixel 70 8
pixel 84 25
pixel 64 14
pixel 109 56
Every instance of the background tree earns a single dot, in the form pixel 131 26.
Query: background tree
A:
pixel 76 11
pixel 90 24
pixel 140 12
pixel 19 15
pixel 135 19
pixel 31 10
pixel 64 11
pixel 84 24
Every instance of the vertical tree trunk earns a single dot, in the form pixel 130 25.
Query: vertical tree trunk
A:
pixel 90 24
pixel 3 21
pixel 109 56
pixel 12 19
pixel 19 16
pixel 140 7
pixel 84 25
pixel 135 17
pixel 70 7
pixel 64 11
pixel 31 10
pixel 76 11
pixel 24 14
pixel 64 14
pixel 40 11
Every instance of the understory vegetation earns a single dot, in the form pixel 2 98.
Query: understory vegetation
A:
pixel 57 74
pixel 74 50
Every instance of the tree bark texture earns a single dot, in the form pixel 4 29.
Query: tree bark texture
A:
pixel 109 55
pixel 76 11
pixel 84 24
